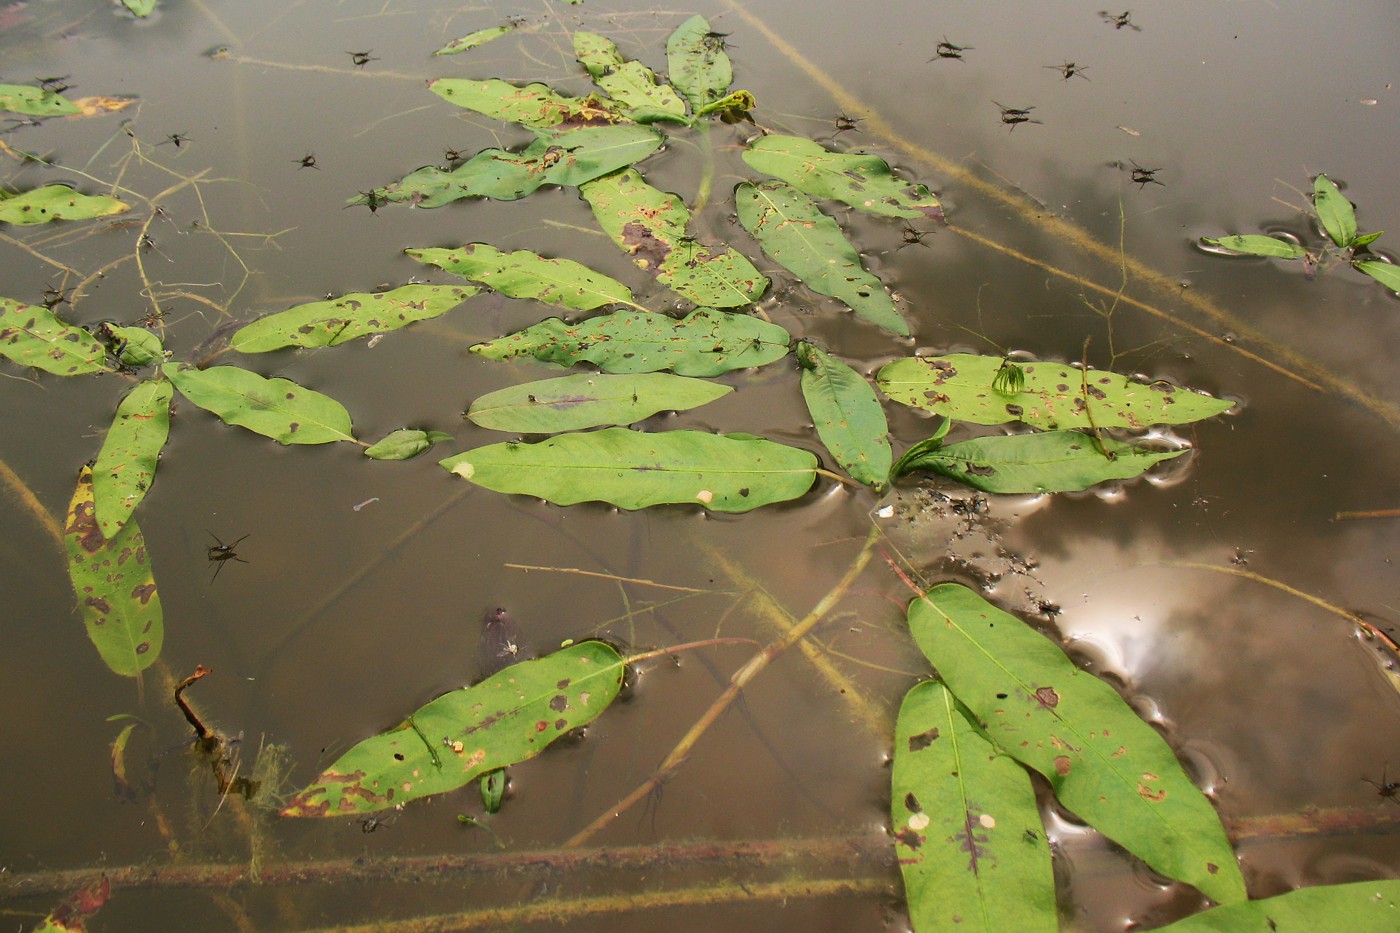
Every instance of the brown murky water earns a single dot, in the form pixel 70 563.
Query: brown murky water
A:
pixel 344 619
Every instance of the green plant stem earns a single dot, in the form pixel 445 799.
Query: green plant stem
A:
pixel 707 172
pixel 742 676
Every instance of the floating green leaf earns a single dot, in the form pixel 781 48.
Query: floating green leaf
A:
pixel 865 182
pixel 509 717
pixel 534 105
pixel 1103 762
pixel 1049 461
pixel 570 158
pixel 35 101
pixel 1253 244
pixel 141 8
pixel 650 225
pixel 847 414
pixel 1053 395
pixel 631 84
pixel 114 584
pixel 405 444
pixel 493 790
pixel 704 343
pixel 1367 239
pixel 340 320
pixel 811 246
pixel 967 832
pixel 1386 273
pixel 1334 210
pixel 523 274
pixel 134 346
pixel 126 466
pixel 55 202
pixel 480 37
pixel 275 408
pixel 1358 907
pixel 587 400
pixel 32 336
pixel 733 106
pixel 633 470
pixel 697 63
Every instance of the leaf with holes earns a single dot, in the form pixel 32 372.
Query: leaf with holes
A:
pixel 340 320
pixel 35 101
pixel 635 470
pixel 405 444
pixel 126 466
pixel 275 408
pixel 1253 244
pixel 1334 211
pixel 812 247
pixel 523 274
pixel 480 37
pixel 569 158
pixel 1358 907
pixel 1049 461
pixel 697 63
pixel 587 400
pixel 865 182
pixel 967 832
pixel 631 84
pixel 55 202
pixel 1386 273
pixel 32 335
pixel 1051 395
pixel 114 584
pixel 508 718
pixel 847 414
pixel 1104 763
pixel 534 105
pixel 650 225
pixel 704 343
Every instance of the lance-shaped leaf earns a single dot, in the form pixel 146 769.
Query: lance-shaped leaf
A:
pixel 587 400
pixel 811 246
pixel 1103 762
pixel 340 320
pixel 142 8
pixel 847 414
pixel 1048 395
pixel 1386 273
pixel 967 832
pixel 114 584
pixel 523 274
pixel 405 444
pixel 1049 461
pixel 275 408
pixel 1254 244
pixel 32 336
pixel 865 182
pixel 1334 210
pixel 697 63
pixel 35 101
pixel 509 717
pixel 704 343
pixel 570 158
pixel 534 105
pixel 126 466
pixel 471 41
pixel 650 225
pixel 631 84
pixel 1358 907
pixel 134 346
pixel 55 202
pixel 633 470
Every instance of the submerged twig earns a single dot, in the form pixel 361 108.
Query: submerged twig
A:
pixel 612 576
pixel 1372 513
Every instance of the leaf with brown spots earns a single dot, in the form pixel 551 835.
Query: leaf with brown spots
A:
pixel 339 320
pixel 56 202
pixel 116 589
pixel 509 717
pixel 862 181
pixel 126 467
pixel 32 335
pixel 967 832
pixel 275 408
pixel 1102 761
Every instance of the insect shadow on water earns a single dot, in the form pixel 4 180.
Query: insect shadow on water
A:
pixel 220 553
pixel 1070 70
pixel 946 49
pixel 1015 116
pixel 1386 790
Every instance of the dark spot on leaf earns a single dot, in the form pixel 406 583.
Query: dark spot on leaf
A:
pixel 923 740
pixel 1015 411
pixel 1213 868
pixel 981 469
pixel 912 803
pixel 909 838
pixel 1047 697
pixel 1062 765
pixel 100 605
pixel 1001 696
pixel 561 724
pixel 541 726
pixel 559 703
pixel 398 756
pixel 563 684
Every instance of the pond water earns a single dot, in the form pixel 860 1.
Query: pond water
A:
pixel 1213 594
